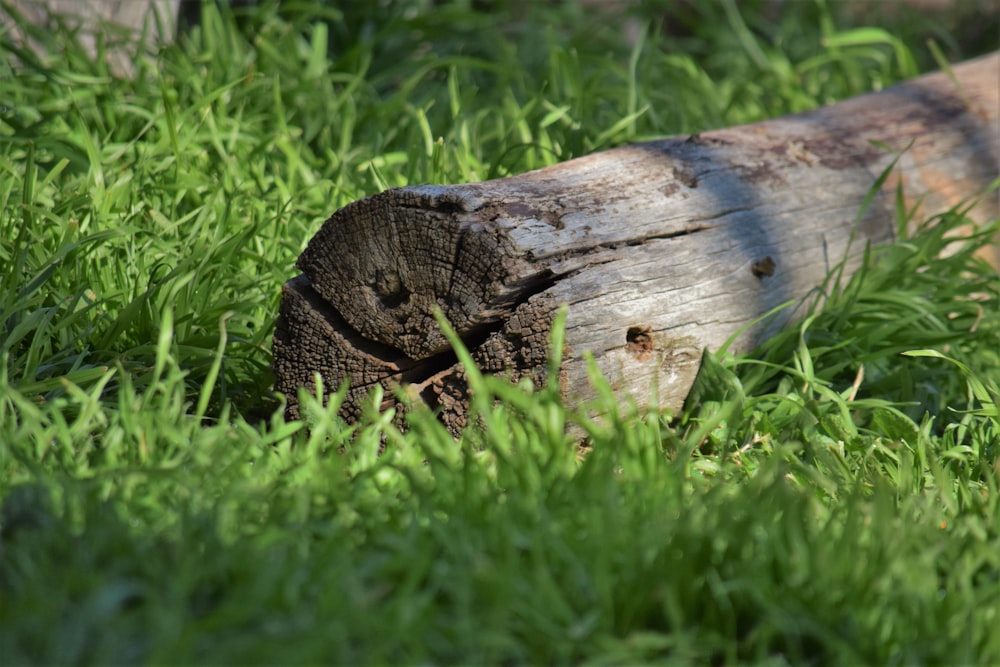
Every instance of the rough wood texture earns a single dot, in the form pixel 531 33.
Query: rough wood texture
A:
pixel 660 249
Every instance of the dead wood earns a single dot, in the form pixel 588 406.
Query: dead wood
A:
pixel 660 249
pixel 159 16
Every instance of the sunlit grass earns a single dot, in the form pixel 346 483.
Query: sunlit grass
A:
pixel 831 498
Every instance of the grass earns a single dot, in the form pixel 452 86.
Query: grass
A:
pixel 830 499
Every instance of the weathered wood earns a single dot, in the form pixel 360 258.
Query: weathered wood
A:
pixel 660 249
pixel 160 16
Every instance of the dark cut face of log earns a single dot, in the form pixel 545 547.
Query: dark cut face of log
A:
pixel 386 262
pixel 311 337
pixel 517 350
pixel 661 250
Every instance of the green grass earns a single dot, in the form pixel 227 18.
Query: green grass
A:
pixel 157 508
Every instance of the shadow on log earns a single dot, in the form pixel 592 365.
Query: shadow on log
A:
pixel 660 249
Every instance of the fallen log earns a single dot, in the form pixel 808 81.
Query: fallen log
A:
pixel 152 20
pixel 660 249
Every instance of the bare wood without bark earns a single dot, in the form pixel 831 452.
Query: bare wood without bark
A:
pixel 660 249
pixel 160 16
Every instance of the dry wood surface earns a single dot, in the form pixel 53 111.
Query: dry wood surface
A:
pixel 660 249
pixel 134 15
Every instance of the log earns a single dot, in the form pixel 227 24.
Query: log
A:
pixel 160 16
pixel 660 249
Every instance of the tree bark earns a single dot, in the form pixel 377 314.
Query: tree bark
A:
pixel 660 249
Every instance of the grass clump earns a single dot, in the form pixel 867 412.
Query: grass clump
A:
pixel 831 499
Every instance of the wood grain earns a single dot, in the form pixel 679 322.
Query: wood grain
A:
pixel 660 249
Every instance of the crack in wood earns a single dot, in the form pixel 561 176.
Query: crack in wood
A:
pixel 614 246
pixel 399 368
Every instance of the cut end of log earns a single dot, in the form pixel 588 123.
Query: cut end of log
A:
pixel 387 262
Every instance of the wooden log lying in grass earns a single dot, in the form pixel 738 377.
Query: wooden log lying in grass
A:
pixel 155 20
pixel 660 249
